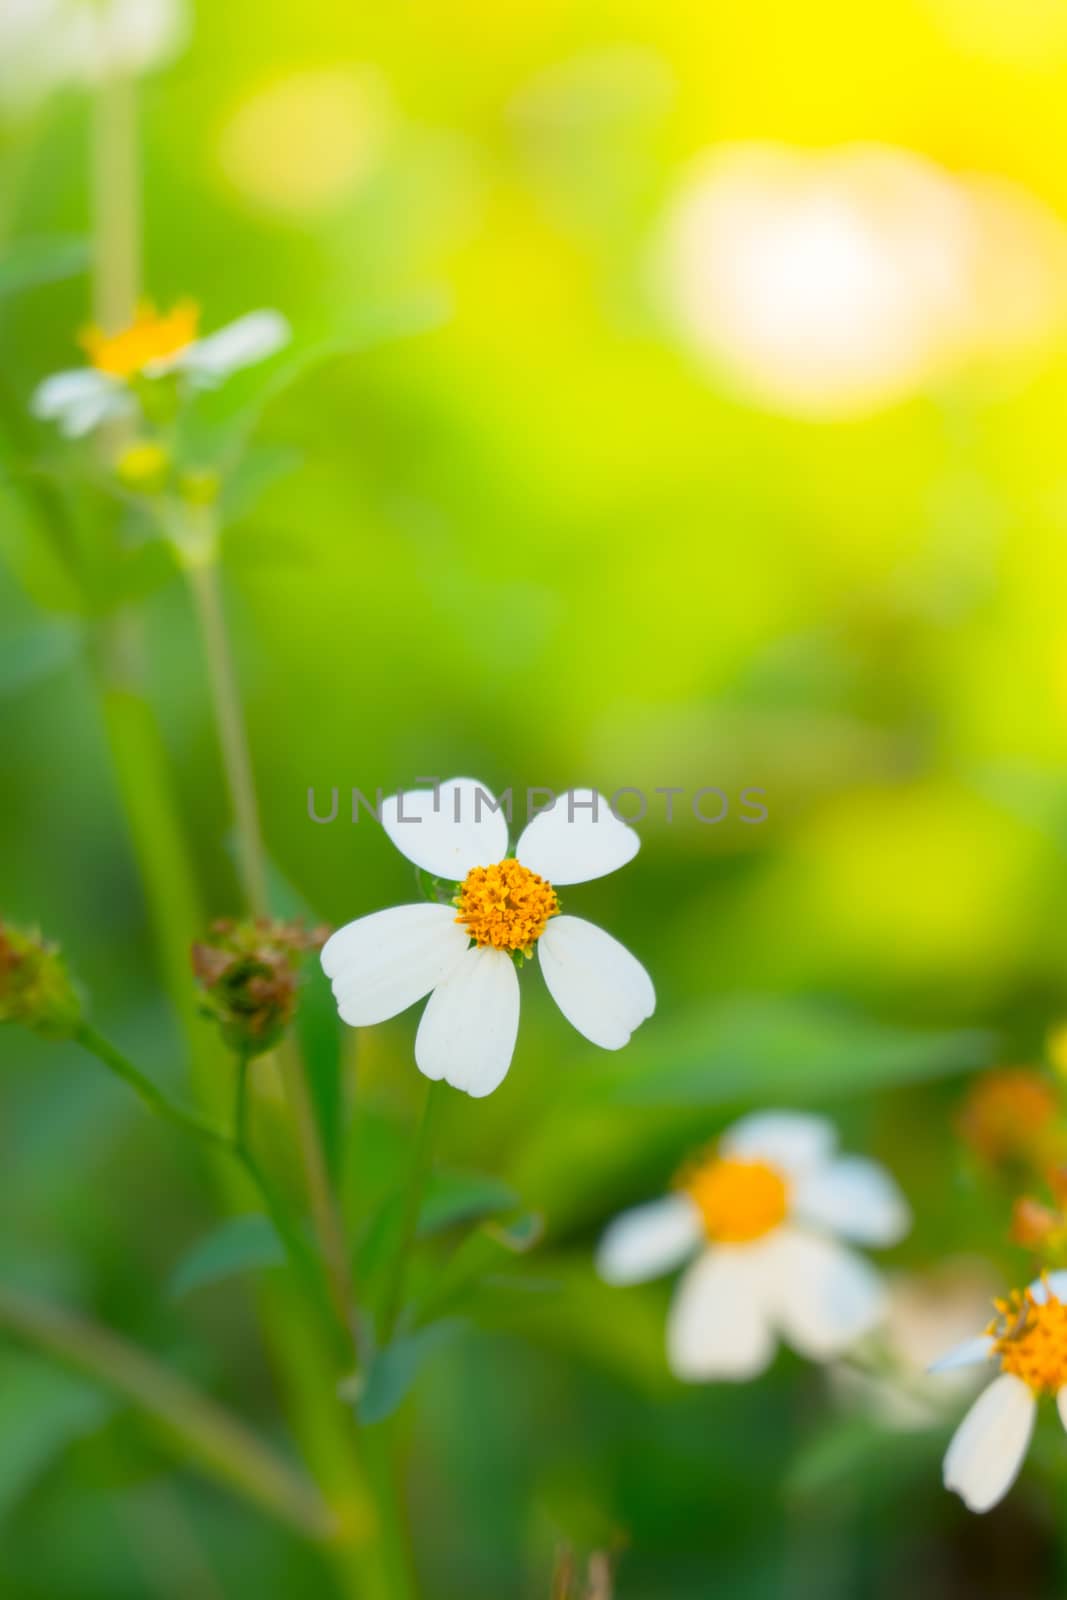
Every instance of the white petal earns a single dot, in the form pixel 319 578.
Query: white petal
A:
pixel 602 989
pixel 855 1198
pixel 717 1326
pixel 381 964
pixel 825 1296
pixel 793 1141
pixel 79 400
pixel 649 1240
pixel 1061 1405
pixel 241 344
pixel 462 832
pixel 579 837
pixel 988 1447
pixel 971 1353
pixel 468 1030
pixel 1056 1282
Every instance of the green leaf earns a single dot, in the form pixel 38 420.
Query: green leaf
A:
pixel 758 1050
pixel 34 654
pixel 43 1410
pixel 258 470
pixel 394 1369
pixel 455 1197
pixel 476 1260
pixel 37 261
pixel 217 429
pixel 522 1233
pixel 241 1244
pixel 859 1451
pixel 569 1309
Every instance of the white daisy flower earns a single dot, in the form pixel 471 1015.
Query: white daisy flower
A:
pixel 461 955
pixel 1028 1341
pixel 763 1216
pixel 154 345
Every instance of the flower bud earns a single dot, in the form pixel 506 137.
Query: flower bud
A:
pixel 35 987
pixel 1040 1228
pixel 143 467
pixel 249 975
pixel 1010 1119
pixel 200 486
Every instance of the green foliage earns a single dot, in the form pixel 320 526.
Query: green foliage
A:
pixel 33 262
pixel 780 1051
pixel 394 1369
pixel 246 1243
pixel 43 1412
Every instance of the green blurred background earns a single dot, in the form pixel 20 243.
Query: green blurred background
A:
pixel 537 524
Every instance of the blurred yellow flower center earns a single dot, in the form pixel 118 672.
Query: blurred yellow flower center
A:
pixel 505 905
pixel 1031 1340
pixel 738 1200
pixel 151 336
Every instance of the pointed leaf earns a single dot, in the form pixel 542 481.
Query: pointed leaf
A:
pixel 36 261
pixel 241 1244
pixel 758 1049
pixel 454 1197
pixel 394 1369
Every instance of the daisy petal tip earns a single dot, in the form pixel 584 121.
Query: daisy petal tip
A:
pixel 971 1353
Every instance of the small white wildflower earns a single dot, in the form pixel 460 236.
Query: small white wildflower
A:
pixel 383 963
pixel 153 346
pixel 763 1215
pixel 1028 1341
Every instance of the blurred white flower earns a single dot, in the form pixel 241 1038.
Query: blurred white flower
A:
pixel 828 283
pixel 1028 1341
pixel 926 1311
pixel 45 44
pixel 153 346
pixel 763 1216
pixel 461 955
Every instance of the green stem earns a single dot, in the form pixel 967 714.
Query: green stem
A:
pixel 301 1258
pixel 240 1103
pixel 291 1321
pixel 221 1445
pixel 202 572
pixel 326 1217
pixel 116 203
pixel 422 1152
pixel 233 739
pixel 152 1096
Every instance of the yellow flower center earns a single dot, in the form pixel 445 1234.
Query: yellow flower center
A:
pixel 738 1200
pixel 1031 1340
pixel 506 905
pixel 151 336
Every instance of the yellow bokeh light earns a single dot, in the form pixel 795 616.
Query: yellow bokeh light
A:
pixel 1025 33
pixel 299 146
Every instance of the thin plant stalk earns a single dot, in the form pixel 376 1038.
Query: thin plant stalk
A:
pixel 116 201
pixel 203 1431
pixel 291 1320
pixel 233 738
pixel 153 1097
pixel 421 1161
pixel 292 1324
pixel 202 572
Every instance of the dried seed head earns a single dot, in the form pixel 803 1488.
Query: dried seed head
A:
pixel 35 986
pixel 249 973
